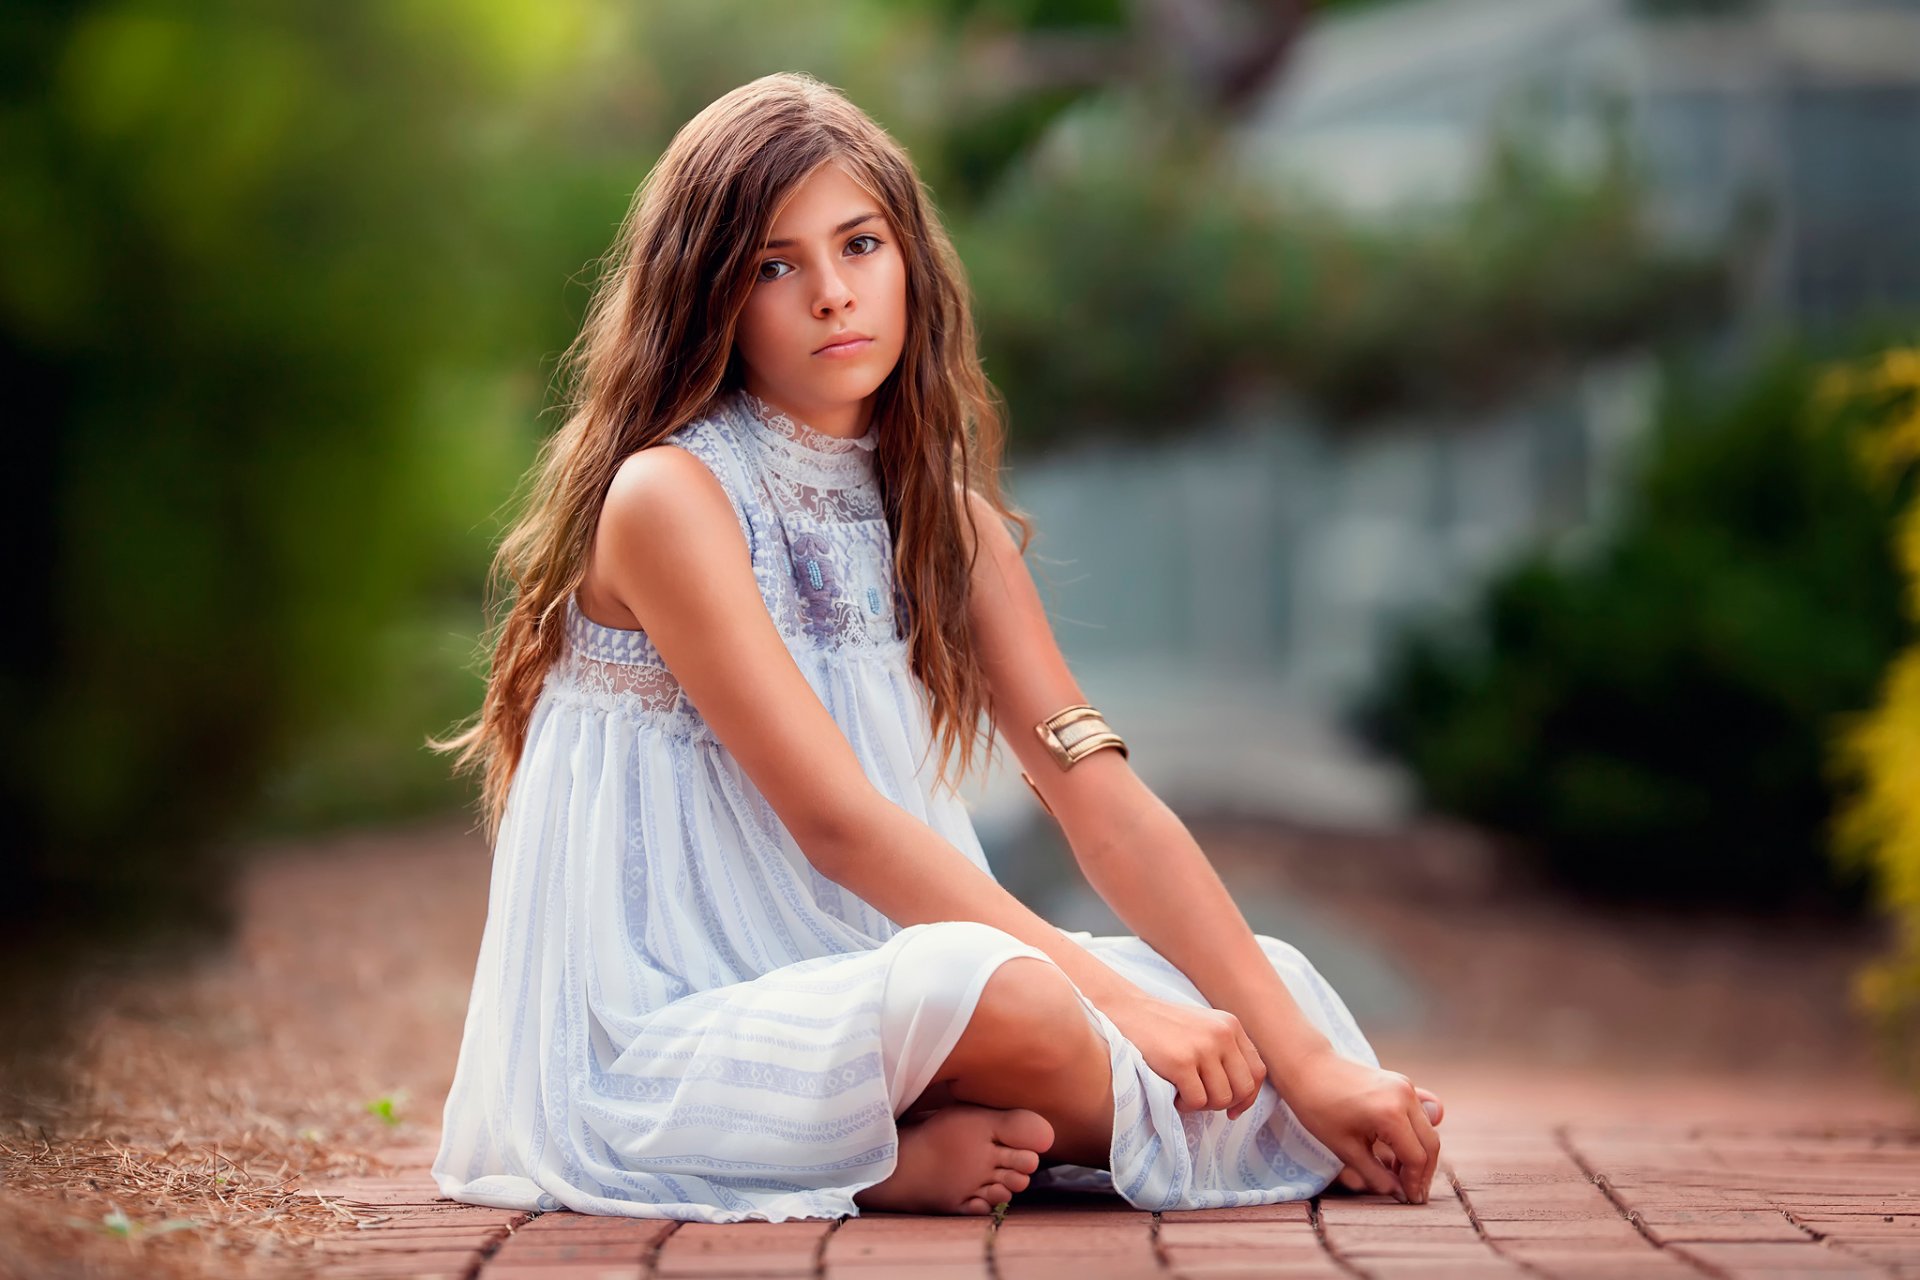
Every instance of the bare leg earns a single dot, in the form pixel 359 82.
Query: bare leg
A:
pixel 1028 1075
pixel 1030 1045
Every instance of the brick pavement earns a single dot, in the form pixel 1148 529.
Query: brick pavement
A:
pixel 1579 1200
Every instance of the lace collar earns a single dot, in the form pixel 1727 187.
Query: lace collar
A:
pixel 801 452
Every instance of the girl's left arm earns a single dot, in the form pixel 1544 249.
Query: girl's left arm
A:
pixel 1133 849
pixel 1139 856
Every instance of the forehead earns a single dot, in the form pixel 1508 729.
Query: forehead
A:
pixel 824 198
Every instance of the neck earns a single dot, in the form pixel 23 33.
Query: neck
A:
pixel 846 419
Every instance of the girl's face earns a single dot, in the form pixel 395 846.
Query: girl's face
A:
pixel 831 269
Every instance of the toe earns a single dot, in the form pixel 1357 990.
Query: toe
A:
pixel 1016 1158
pixel 976 1206
pixel 1028 1130
pixel 996 1193
pixel 1012 1179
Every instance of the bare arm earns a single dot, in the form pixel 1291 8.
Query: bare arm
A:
pixel 1142 860
pixel 1134 851
pixel 671 551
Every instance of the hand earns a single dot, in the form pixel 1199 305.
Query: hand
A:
pixel 1349 1106
pixel 1435 1110
pixel 1203 1053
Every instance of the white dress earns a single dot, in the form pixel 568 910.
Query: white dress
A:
pixel 675 1015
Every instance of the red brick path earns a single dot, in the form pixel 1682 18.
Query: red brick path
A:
pixel 1580 1200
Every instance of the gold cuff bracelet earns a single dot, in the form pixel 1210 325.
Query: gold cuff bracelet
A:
pixel 1071 735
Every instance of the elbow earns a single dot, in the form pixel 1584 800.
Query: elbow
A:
pixel 833 834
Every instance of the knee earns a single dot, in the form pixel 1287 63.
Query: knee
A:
pixel 1031 1011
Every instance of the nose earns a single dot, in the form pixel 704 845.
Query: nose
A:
pixel 834 294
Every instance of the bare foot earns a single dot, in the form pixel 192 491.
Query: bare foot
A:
pixel 1350 1179
pixel 961 1159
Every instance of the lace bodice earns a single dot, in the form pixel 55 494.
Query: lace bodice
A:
pixel 809 504
pixel 824 475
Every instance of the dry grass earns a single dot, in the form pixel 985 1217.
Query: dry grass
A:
pixel 205 1093
pixel 183 1210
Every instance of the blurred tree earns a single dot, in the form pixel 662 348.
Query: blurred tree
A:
pixel 1650 718
pixel 249 245
pixel 1181 281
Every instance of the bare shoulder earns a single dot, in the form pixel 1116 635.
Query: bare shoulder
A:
pixel 988 529
pixel 665 523
pixel 660 488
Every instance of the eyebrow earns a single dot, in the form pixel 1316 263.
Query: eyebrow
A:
pixel 848 225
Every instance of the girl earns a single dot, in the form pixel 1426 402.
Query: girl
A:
pixel 743 955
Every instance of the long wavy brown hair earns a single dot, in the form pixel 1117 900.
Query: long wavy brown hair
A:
pixel 656 351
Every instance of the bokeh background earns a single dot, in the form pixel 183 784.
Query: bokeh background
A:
pixel 1472 443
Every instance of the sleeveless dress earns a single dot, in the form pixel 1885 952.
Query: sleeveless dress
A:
pixel 674 1015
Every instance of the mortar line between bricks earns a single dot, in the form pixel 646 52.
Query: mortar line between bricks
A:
pixel 820 1250
pixel 494 1243
pixel 1719 1157
pixel 1563 1135
pixel 1326 1246
pixel 650 1259
pixel 1159 1250
pixel 1480 1229
pixel 1836 1244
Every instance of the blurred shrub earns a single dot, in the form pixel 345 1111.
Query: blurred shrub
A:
pixel 1132 277
pixel 1877 755
pixel 1651 718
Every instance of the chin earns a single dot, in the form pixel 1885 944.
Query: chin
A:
pixel 853 384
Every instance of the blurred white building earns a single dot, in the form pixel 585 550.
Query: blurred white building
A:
pixel 1222 597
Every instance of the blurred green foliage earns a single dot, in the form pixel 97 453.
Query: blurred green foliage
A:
pixel 1650 716
pixel 266 312
pixel 286 282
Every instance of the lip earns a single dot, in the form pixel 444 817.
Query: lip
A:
pixel 845 345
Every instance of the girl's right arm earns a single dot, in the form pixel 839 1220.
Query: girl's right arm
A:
pixel 670 550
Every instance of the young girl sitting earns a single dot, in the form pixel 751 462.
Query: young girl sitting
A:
pixel 744 957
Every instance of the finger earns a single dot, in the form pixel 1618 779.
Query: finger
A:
pixel 1415 1161
pixel 1351 1180
pixel 1214 1073
pixel 1192 1095
pixel 1240 1080
pixel 1250 1054
pixel 1417 1128
pixel 1429 1138
pixel 1251 1051
pixel 1379 1179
